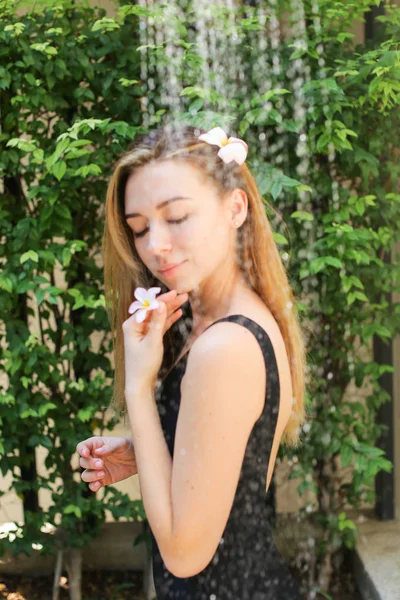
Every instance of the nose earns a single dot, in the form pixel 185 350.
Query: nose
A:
pixel 159 240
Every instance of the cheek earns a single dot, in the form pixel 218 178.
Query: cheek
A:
pixel 189 234
pixel 140 248
pixel 200 232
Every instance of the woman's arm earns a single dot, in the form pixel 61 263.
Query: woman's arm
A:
pixel 154 465
pixel 188 499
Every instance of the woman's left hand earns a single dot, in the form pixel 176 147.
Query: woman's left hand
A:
pixel 143 342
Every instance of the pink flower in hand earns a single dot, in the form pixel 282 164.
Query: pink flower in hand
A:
pixel 145 300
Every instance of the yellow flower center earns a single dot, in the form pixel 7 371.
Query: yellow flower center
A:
pixel 146 303
pixel 225 142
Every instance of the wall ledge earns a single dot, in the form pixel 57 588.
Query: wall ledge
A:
pixel 376 559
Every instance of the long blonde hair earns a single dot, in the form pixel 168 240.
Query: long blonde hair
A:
pixel 260 261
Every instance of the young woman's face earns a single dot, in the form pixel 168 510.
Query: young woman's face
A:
pixel 177 219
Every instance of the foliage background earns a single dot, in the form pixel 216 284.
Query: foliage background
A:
pixel 71 101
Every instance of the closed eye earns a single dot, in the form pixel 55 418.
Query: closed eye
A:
pixel 175 222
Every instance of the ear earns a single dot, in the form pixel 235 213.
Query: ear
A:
pixel 238 205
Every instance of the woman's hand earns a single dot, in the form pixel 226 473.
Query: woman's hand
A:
pixel 106 460
pixel 143 342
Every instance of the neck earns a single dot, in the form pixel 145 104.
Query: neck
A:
pixel 214 299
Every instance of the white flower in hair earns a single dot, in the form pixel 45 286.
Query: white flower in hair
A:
pixel 145 300
pixel 231 148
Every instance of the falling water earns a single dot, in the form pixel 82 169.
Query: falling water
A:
pixel 222 78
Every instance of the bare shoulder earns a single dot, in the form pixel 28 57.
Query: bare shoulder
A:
pixel 253 308
pixel 228 358
pixel 227 339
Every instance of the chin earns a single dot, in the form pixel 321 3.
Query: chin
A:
pixel 181 288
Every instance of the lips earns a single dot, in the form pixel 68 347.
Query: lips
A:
pixel 167 268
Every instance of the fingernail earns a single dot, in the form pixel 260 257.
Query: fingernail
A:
pixel 98 463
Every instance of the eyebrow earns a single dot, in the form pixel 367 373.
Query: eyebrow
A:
pixel 161 205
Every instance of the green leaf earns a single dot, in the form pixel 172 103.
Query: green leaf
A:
pixel 63 211
pixel 21 144
pixel 86 170
pixel 280 239
pixel 276 189
pixel 344 35
pixel 44 408
pixel 76 153
pixel 105 24
pixel 196 105
pixel 127 82
pixel 59 169
pixel 30 255
pixel 85 414
pixel 60 148
pixel 346 454
pixel 6 283
pixel 73 509
pixel 66 256
pixel 334 262
pixel 304 188
pixel 323 141
pixel 28 412
pixel 30 79
pixel 302 215
pixel 40 295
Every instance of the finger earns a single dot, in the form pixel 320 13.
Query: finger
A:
pixel 172 300
pixel 104 450
pixel 95 486
pixel 83 449
pixel 166 296
pixel 90 476
pixel 91 463
pixel 177 302
pixel 172 319
pixel 144 325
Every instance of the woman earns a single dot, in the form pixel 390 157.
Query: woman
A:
pixel 183 212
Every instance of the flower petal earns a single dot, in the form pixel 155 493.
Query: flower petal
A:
pixel 152 292
pixel 153 304
pixel 215 136
pixel 141 315
pixel 141 294
pixel 134 307
pixel 233 151
pixel 234 139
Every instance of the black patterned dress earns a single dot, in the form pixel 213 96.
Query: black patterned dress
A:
pixel 247 565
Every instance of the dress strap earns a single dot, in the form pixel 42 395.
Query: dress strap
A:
pixel 263 339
